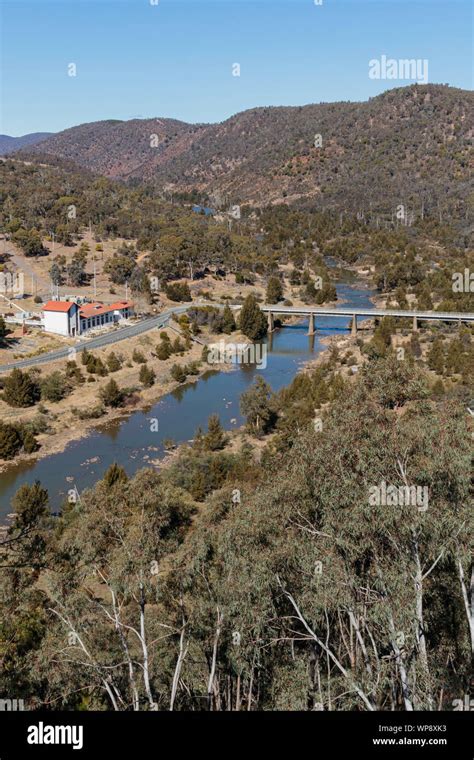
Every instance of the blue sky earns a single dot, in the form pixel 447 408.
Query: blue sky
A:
pixel 138 60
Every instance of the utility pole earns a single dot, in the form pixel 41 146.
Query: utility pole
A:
pixel 95 282
pixel 126 290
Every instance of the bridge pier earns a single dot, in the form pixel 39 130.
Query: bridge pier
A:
pixel 415 324
pixel 354 325
pixel 311 324
pixel 271 326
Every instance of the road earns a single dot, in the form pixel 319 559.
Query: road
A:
pixel 160 320
pixel 101 340
pixel 326 311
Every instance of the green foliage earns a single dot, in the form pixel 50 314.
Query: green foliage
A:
pixel 147 376
pixel 54 387
pixel 20 389
pixel 30 444
pixel 115 474
pixel 122 265
pixel 228 320
pixel 3 329
pixel 29 241
pixel 215 439
pixel 94 364
pixel 257 405
pixel 178 291
pixel 10 441
pixel 394 382
pixel 111 394
pixel 138 356
pixel 163 349
pixel 274 292
pixel 113 362
pixel 178 373
pixel 253 322
pixel 436 356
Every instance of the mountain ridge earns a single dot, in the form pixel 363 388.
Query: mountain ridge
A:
pixel 9 144
pixel 406 143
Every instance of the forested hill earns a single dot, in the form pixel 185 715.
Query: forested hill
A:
pixel 409 145
pixel 10 144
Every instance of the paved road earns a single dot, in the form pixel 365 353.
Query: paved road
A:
pixel 101 340
pixel 160 320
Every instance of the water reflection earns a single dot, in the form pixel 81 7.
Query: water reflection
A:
pixel 131 440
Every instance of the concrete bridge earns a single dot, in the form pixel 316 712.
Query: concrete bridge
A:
pixel 161 320
pixel 313 312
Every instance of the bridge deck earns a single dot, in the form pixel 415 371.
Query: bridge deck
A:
pixel 444 316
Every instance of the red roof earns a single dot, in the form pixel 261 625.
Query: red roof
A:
pixel 92 309
pixel 62 306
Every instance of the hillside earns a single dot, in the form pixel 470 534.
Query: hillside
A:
pixel 11 144
pixel 408 145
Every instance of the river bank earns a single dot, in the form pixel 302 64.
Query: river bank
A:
pixel 56 441
pixel 132 441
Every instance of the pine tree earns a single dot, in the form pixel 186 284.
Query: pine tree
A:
pixel 215 438
pixel 115 474
pixel 20 390
pixel 147 376
pixel 253 323
pixel 111 394
pixel 274 290
pixel 436 356
pixel 113 362
pixel 10 441
pixel 54 387
pixel 30 444
pixel 257 405
pixel 228 321
pixel 455 357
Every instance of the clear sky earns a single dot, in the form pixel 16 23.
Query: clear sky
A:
pixel 136 59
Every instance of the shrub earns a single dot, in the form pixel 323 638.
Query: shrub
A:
pixel 54 387
pixel 178 373
pixel 20 389
pixel 30 444
pixel 89 414
pixel 138 357
pixel 178 291
pixel 163 350
pixel 113 362
pixel 111 394
pixel 147 376
pixel 215 438
pixel 10 441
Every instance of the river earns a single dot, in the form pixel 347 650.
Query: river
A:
pixel 134 441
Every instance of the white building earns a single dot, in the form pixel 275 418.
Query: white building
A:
pixel 69 319
pixel 62 318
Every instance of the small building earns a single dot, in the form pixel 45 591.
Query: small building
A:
pixel 70 319
pixel 99 314
pixel 62 318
